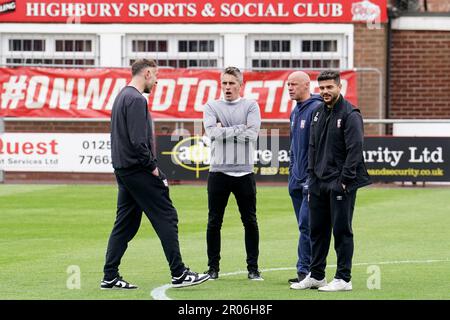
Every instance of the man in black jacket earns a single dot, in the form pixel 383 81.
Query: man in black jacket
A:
pixel 142 186
pixel 336 170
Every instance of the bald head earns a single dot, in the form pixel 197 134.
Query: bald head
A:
pixel 298 86
pixel 299 76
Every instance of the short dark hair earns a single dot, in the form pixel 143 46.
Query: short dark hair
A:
pixel 330 75
pixel 234 71
pixel 141 64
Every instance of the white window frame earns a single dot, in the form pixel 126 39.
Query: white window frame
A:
pixel 296 53
pixel 172 46
pixel 232 46
pixel 50 48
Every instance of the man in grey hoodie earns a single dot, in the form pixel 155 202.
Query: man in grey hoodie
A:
pixel 232 124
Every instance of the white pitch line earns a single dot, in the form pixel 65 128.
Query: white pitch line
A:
pixel 159 293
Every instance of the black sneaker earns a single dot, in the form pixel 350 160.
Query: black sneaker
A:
pixel 299 278
pixel 213 273
pixel 117 283
pixel 293 280
pixel 189 278
pixel 255 275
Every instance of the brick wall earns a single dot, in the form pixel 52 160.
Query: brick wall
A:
pixel 438 5
pixel 432 5
pixel 57 127
pixel 420 74
pixel 282 127
pixel 370 52
pixel 58 177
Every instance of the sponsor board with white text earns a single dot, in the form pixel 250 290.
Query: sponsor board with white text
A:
pixel 188 158
pixel 197 11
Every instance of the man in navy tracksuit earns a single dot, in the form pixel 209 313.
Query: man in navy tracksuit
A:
pixel 299 90
pixel 336 170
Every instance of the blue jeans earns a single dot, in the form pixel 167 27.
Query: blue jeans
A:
pixel 299 196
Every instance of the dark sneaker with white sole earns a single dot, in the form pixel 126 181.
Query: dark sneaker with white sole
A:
pixel 293 280
pixel 117 283
pixel 213 274
pixel 255 275
pixel 299 278
pixel 189 278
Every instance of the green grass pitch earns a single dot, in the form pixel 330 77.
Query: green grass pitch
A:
pixel 48 232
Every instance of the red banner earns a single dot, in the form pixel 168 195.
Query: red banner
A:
pixel 197 11
pixel 180 93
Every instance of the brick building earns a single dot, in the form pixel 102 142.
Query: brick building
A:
pixel 419 62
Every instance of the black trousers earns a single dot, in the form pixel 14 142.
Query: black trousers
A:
pixel 220 186
pixel 142 191
pixel 331 211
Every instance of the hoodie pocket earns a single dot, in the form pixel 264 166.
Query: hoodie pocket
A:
pixel 163 178
pixel 336 186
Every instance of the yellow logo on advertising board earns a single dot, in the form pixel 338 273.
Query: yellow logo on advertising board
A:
pixel 192 154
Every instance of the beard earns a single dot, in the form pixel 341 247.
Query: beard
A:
pixel 333 100
pixel 148 89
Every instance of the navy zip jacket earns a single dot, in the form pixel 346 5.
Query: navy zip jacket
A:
pixel 301 118
pixel 336 148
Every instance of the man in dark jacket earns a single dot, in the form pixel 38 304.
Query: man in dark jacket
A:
pixel 299 90
pixel 336 170
pixel 142 186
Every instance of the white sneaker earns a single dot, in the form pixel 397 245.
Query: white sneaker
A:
pixel 337 285
pixel 309 283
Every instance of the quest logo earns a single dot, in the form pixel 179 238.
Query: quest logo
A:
pixel 28 147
